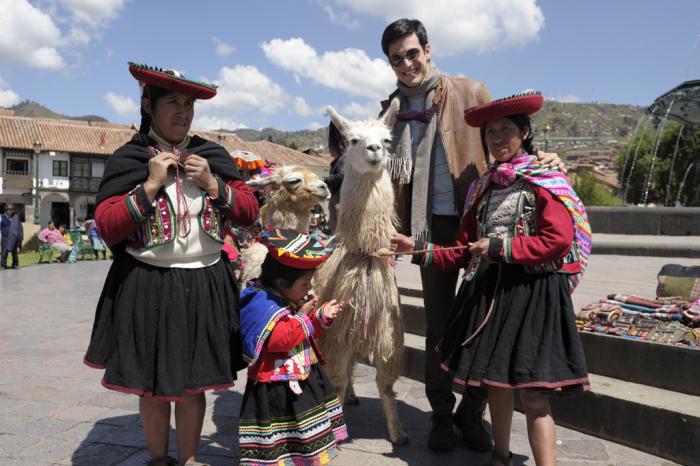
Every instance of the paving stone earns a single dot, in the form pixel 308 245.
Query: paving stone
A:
pixel 48 450
pixel 100 454
pixel 53 409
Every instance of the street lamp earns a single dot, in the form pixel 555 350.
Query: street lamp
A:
pixel 37 194
pixel 547 129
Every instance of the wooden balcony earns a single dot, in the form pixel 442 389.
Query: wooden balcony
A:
pixel 84 184
pixel 18 180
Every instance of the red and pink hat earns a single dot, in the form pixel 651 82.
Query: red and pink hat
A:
pixel 527 103
pixel 171 80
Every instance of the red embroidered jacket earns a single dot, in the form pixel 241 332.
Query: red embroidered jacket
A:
pixel 117 222
pixel 551 241
pixel 287 354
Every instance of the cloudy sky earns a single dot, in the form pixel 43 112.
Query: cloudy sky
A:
pixel 281 64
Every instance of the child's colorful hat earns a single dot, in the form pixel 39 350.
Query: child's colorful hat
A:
pixel 295 249
pixel 527 103
pixel 171 80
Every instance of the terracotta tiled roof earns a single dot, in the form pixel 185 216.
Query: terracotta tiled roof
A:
pixel 6 112
pixel 83 137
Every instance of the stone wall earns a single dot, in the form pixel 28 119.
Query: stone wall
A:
pixel 672 221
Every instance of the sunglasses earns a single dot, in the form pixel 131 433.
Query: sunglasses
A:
pixel 397 60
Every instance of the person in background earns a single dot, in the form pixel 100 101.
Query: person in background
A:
pixel 73 256
pixel 336 146
pixel 54 238
pixel 12 235
pixel 93 232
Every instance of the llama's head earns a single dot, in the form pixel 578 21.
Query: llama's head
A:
pixel 368 141
pixel 292 187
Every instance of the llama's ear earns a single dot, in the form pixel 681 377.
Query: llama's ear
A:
pixel 258 184
pixel 339 122
pixel 388 118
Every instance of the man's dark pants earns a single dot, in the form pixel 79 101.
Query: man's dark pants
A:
pixel 438 294
pixel 7 248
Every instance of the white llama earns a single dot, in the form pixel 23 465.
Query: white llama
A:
pixel 291 191
pixel 370 326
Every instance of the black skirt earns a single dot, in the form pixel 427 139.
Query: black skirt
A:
pixel 278 426
pixel 530 340
pixel 166 332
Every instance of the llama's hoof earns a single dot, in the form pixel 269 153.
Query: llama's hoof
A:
pixel 352 400
pixel 399 438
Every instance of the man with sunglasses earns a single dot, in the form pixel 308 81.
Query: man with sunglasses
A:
pixel 437 157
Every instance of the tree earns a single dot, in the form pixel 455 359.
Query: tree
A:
pixel 660 176
pixel 591 192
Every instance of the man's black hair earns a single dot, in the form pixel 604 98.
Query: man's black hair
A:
pixel 403 27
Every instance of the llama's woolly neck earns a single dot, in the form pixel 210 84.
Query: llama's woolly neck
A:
pixel 367 218
pixel 280 216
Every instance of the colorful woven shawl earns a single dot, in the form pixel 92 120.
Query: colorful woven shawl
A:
pixel 530 169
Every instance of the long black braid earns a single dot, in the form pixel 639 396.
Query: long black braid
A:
pixel 154 93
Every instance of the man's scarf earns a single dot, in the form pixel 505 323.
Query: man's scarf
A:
pixel 527 167
pixel 128 166
pixel 415 166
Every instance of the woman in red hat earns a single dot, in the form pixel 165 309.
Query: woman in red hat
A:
pixel 167 324
pixel 524 241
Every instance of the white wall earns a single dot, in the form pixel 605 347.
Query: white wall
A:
pixel 46 170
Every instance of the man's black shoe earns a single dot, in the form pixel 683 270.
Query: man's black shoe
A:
pixel 474 434
pixel 441 436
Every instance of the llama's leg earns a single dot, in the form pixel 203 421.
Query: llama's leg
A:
pixel 350 398
pixel 387 374
pixel 337 370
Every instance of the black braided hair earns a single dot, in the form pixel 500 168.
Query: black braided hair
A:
pixel 153 93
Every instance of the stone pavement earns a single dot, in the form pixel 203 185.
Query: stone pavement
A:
pixel 55 412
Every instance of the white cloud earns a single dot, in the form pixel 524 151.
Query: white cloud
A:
pixel 340 17
pixel 243 90
pixel 244 87
pixel 93 12
pixel 566 99
pixel 222 48
pixel 76 36
pixel 302 108
pixel 212 123
pixel 8 98
pixel 458 25
pixel 349 70
pixel 315 125
pixel 355 110
pixel 28 36
pixel 124 106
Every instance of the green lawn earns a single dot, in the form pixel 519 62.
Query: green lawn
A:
pixel 29 258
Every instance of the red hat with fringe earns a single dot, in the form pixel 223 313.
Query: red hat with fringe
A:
pixel 294 248
pixel 171 80
pixel 527 103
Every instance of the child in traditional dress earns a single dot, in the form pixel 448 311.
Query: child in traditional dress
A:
pixel 524 241
pixel 290 413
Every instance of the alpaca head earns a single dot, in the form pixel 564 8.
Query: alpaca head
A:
pixel 368 141
pixel 292 187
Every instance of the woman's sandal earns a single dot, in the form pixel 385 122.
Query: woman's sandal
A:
pixel 498 460
pixel 162 461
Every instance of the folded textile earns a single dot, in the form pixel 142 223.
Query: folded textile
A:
pixel 631 299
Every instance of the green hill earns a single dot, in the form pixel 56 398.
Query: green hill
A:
pixel 32 109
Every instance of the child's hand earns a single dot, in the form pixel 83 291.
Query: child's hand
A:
pixel 331 309
pixel 480 248
pixel 309 306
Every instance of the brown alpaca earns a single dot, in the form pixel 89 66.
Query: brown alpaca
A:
pixel 370 326
pixel 291 191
